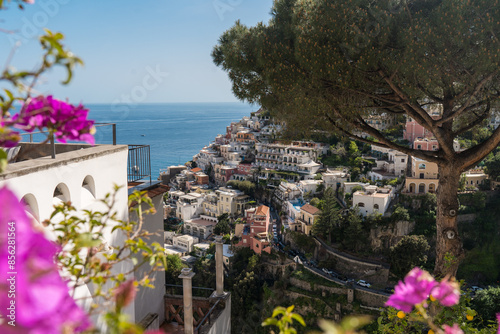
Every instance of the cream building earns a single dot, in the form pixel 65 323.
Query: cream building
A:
pixel 424 177
pixel 373 199
pixel 308 215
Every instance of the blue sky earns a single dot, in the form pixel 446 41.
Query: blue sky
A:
pixel 134 51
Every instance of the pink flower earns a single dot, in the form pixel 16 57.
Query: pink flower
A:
pixel 416 288
pixel 8 138
pixel 447 292
pixel 498 320
pixel 29 278
pixel 452 330
pixel 65 120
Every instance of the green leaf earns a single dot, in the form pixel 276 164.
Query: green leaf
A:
pixel 299 319
pixel 86 240
pixel 3 160
pixel 270 322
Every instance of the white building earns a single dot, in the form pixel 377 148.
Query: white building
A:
pixel 185 242
pixel 201 227
pixel 189 206
pixel 310 186
pixel 334 179
pixel 84 174
pixel 372 200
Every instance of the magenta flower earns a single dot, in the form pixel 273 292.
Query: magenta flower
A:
pixel 8 138
pixel 452 330
pixel 65 120
pixel 416 288
pixel 32 293
pixel 498 320
pixel 447 292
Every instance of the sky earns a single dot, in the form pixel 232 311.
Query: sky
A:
pixel 150 51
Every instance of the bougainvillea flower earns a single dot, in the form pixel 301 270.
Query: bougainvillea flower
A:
pixel 8 138
pixel 65 120
pixel 452 330
pixel 29 278
pixel 498 321
pixel 447 292
pixel 416 288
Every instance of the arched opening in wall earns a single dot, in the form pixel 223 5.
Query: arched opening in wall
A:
pixel 412 188
pixel 375 207
pixel 361 204
pixel 87 191
pixel 421 188
pixel 432 188
pixel 61 194
pixel 31 206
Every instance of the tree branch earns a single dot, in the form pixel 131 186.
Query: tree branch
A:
pixel 477 121
pixel 460 110
pixel 473 155
pixel 361 125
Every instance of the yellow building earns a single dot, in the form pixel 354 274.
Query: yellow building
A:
pixel 308 215
pixel 424 177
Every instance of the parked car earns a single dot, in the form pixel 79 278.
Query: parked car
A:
pixel 363 283
pixel 313 263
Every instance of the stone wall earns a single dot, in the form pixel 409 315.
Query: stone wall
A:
pixel 353 267
pixel 387 236
pixel 276 270
pixel 371 299
pixel 308 286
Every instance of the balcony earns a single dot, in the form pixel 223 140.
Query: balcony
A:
pixel 138 163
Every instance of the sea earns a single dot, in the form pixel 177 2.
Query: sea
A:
pixel 174 131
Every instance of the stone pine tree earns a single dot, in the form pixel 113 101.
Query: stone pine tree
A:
pixel 329 65
pixel 329 218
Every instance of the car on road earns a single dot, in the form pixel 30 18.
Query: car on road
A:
pixel 363 283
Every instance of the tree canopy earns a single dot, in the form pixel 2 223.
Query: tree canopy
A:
pixel 332 65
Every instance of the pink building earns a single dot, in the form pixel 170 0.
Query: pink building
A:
pixel 244 169
pixel 413 130
pixel 255 233
pixel 426 144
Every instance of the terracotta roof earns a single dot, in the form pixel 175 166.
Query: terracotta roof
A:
pixel 196 170
pixel 262 210
pixel 157 190
pixel 310 209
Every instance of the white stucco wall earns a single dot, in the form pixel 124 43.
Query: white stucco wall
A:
pixel 151 300
pixel 107 166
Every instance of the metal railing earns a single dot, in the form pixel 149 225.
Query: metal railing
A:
pixel 52 141
pixel 208 315
pixel 139 163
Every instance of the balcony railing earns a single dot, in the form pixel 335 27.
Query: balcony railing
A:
pixel 139 163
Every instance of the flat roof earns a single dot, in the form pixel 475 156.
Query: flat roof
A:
pixel 201 221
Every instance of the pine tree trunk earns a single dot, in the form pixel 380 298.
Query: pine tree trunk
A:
pixel 449 251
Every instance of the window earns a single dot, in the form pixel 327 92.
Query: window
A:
pixel 361 205
pixel 421 166
pixel 402 160
pixel 419 147
pixel 375 206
